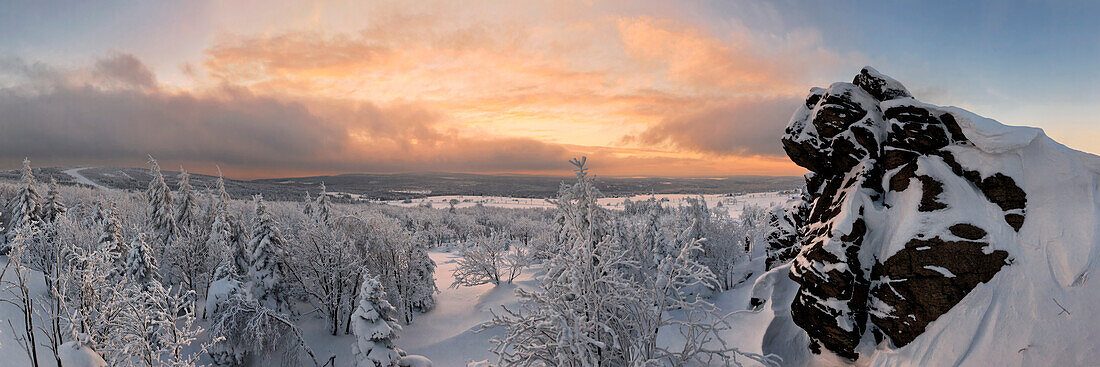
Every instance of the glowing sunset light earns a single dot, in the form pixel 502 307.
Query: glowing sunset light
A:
pixel 644 88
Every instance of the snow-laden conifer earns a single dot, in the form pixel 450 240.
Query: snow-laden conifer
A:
pixel 226 234
pixel 185 212
pixel 375 327
pixel 159 212
pixel 52 207
pixel 307 206
pixel 322 209
pixel 141 266
pixel 580 315
pixel 267 263
pixel 110 240
pixel 25 208
pixel 226 282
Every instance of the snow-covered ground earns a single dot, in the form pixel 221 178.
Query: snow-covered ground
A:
pixel 732 203
pixel 446 334
pixel 10 352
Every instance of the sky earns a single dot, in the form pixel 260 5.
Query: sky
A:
pixel 643 88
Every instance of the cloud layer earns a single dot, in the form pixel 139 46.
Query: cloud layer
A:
pixel 433 87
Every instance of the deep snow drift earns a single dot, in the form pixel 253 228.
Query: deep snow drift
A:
pixel 933 236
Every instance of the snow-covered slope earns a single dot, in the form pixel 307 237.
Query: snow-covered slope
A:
pixel 936 237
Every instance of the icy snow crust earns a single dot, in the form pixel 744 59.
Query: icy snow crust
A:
pixel 1017 317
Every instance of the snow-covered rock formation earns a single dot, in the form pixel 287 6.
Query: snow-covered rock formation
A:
pixel 934 236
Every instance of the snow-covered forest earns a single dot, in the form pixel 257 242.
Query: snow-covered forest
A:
pixel 186 276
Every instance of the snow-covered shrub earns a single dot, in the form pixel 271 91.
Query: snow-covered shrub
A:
pixel 395 257
pixel 243 329
pixel 489 260
pixel 327 266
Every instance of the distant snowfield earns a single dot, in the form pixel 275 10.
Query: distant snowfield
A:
pixel 733 204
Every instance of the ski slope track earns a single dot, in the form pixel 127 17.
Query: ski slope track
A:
pixel 81 179
pixel 933 237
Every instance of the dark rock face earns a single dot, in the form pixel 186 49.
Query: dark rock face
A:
pixel 781 237
pixel 927 278
pixel 868 145
pixel 880 86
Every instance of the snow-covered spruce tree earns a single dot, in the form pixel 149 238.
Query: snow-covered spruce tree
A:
pixel 227 235
pixel 267 263
pixel 25 208
pixel 52 207
pixel 219 237
pixel 185 212
pixel 188 258
pixel 375 327
pixel 159 213
pixel 582 215
pixel 110 239
pixel 307 206
pixel 220 194
pixel 226 281
pixel 141 266
pixel 322 209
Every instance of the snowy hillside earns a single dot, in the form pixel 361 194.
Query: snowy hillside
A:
pixel 934 236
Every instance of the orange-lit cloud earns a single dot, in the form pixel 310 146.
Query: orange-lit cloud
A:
pixel 444 88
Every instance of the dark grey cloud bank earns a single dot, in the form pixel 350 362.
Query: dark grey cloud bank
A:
pixel 749 126
pixel 114 114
